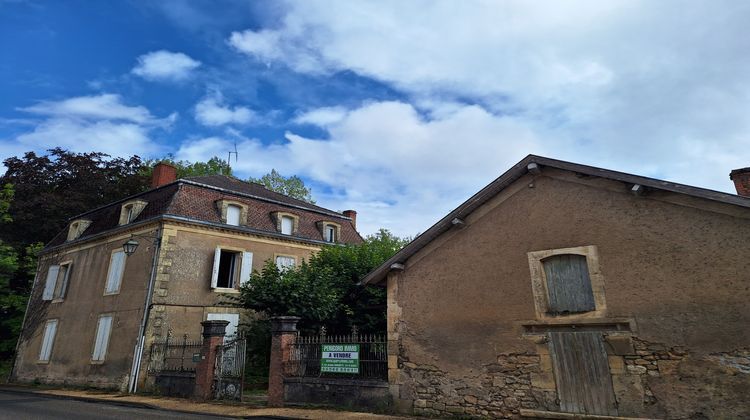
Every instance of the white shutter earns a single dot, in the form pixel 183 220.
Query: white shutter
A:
pixel 49 338
pixel 116 267
pixel 247 267
pixel 233 215
pixel 287 225
pixel 103 328
pixel 215 272
pixel 49 285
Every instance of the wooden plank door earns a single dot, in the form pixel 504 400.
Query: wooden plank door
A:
pixel 584 383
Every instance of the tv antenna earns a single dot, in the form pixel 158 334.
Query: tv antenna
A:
pixel 229 157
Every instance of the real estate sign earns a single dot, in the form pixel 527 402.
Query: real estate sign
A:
pixel 339 358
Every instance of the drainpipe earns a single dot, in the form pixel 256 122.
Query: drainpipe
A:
pixel 138 352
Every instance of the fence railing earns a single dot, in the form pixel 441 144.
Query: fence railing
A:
pixel 174 355
pixel 306 355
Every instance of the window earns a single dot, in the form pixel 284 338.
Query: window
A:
pixel 56 284
pixel 287 225
pixel 284 262
pixel 116 269
pixel 568 284
pixel 50 330
pixel 101 342
pixel 233 215
pixel 77 228
pixel 231 268
pixel 330 233
pixel 130 211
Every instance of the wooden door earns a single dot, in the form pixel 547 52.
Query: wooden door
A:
pixel 584 384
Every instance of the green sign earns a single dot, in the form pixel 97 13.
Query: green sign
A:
pixel 339 358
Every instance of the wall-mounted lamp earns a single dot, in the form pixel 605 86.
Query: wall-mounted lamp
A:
pixel 131 245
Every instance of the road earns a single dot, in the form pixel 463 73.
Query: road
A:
pixel 23 406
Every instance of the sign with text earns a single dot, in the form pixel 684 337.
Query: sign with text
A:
pixel 339 358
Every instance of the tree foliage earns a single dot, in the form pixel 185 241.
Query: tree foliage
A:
pixel 325 290
pixel 292 186
pixel 214 166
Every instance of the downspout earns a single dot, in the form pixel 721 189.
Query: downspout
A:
pixel 138 352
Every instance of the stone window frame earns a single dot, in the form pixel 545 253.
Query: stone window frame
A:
pixel 322 225
pixel 224 204
pixel 76 228
pixel 137 207
pixel 539 282
pixel 278 215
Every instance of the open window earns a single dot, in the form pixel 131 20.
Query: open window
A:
pixel 330 231
pixel 56 283
pixel 567 282
pixel 232 268
pixel 130 210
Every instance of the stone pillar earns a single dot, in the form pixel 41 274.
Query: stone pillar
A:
pixel 213 336
pixel 284 334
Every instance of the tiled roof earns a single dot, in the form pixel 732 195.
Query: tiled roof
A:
pixel 195 198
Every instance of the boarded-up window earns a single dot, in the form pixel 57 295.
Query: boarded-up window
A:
pixel 568 284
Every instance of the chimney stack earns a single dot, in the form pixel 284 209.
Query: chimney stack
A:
pixel 741 178
pixel 163 174
pixel 352 215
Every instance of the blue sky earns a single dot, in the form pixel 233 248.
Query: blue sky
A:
pixel 400 110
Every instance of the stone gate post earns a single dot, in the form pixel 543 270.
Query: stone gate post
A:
pixel 213 336
pixel 284 334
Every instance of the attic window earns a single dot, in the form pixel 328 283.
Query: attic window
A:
pixel 233 212
pixel 330 231
pixel 233 215
pixel 130 211
pixel 286 223
pixel 76 228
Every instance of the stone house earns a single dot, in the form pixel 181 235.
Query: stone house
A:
pixel 128 273
pixel 568 291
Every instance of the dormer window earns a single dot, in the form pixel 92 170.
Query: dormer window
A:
pixel 232 212
pixel 286 223
pixel 330 231
pixel 233 215
pixel 130 211
pixel 76 228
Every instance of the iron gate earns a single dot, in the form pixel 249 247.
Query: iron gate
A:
pixel 230 368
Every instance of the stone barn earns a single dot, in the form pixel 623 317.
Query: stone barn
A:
pixel 568 291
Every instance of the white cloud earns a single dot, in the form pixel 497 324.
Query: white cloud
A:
pixel 655 89
pixel 397 168
pixel 210 111
pixel 101 123
pixel 165 65
pixel 322 116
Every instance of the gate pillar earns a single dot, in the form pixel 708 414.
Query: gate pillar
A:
pixel 284 334
pixel 213 336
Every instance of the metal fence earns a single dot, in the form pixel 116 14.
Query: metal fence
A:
pixel 306 353
pixel 174 355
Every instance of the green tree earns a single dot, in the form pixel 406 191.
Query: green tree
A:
pixel 292 186
pixel 325 290
pixel 214 166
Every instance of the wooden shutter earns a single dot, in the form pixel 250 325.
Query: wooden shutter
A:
pixel 247 267
pixel 568 284
pixel 116 268
pixel 103 329
pixel 233 215
pixel 287 225
pixel 49 284
pixel 50 330
pixel 215 272
pixel 64 287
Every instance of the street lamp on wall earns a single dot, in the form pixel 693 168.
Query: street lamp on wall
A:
pixel 130 246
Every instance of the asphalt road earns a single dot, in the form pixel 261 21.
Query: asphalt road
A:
pixel 22 406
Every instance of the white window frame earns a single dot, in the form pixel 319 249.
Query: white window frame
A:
pixel 48 340
pixel 246 268
pixel 115 274
pixel 101 338
pixel 234 214
pixel 283 267
pixel 329 233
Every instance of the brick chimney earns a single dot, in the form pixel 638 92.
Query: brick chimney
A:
pixel 352 215
pixel 741 178
pixel 163 174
